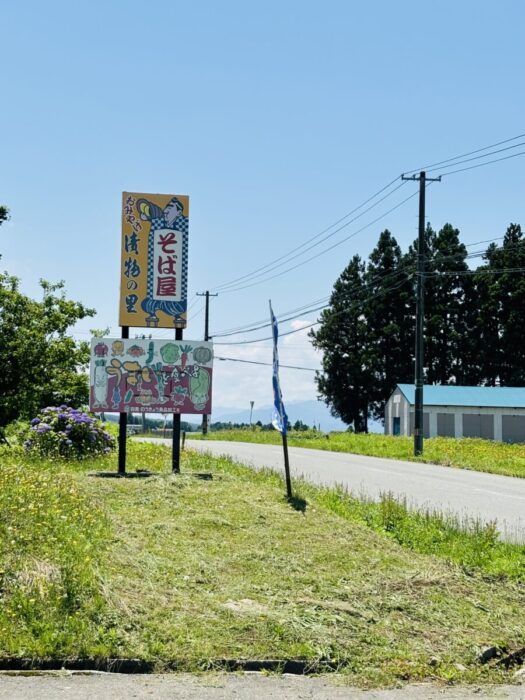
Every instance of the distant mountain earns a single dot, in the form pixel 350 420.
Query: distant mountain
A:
pixel 309 412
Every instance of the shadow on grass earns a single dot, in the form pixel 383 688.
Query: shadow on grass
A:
pixel 139 474
pixel 297 503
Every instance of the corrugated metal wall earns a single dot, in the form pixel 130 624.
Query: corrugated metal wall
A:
pixel 445 425
pixel 478 425
pixel 513 428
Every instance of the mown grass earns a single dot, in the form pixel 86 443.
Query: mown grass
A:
pixel 51 538
pixel 467 453
pixel 182 568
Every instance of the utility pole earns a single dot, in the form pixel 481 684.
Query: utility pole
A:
pixel 420 311
pixel 206 338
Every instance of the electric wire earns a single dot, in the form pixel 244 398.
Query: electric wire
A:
pixel 481 165
pixel 327 250
pixel 252 276
pixel 287 257
pixel 382 278
pixel 316 323
pixel 485 155
pixel 464 155
pixel 325 230
pixel 309 307
pixel 268 364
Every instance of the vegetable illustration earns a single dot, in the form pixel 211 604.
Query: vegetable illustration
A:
pixel 179 394
pixel 100 383
pixel 136 351
pixel 101 349
pixel 202 355
pixel 169 353
pixel 199 388
pixel 117 348
pixel 151 348
pixel 184 357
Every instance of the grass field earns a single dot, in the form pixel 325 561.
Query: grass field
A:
pixel 197 570
pixel 467 453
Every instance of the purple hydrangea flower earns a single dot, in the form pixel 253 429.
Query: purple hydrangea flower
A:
pixel 35 421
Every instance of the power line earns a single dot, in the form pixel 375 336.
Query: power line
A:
pixel 309 307
pixel 228 287
pixel 481 165
pixel 316 323
pixel 485 155
pixel 287 257
pixel 325 230
pixel 464 155
pixel 267 364
pixel 327 250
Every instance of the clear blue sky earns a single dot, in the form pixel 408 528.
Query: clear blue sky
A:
pixel 276 118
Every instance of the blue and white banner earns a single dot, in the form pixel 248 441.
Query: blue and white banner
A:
pixel 279 417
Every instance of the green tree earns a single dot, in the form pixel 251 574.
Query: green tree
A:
pixel 446 320
pixel 345 380
pixel 389 315
pixel 501 311
pixel 41 363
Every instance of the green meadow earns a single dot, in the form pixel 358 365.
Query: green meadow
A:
pixel 194 570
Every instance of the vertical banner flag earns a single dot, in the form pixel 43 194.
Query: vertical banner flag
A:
pixel 279 417
pixel 154 267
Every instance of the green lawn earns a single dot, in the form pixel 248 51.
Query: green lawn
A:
pixel 198 570
pixel 467 453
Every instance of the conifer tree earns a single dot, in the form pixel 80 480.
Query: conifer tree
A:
pixel 345 380
pixel 389 315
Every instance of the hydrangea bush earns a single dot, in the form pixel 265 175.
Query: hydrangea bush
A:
pixel 62 431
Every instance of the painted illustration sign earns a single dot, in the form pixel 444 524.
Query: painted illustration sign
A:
pixel 153 376
pixel 154 264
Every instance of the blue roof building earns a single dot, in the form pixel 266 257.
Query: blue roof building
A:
pixel 493 413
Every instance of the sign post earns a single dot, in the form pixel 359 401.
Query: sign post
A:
pixel 150 375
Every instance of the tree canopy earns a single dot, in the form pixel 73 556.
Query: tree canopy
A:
pixel 42 364
pixel 473 322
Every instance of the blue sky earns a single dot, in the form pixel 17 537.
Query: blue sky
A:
pixel 276 118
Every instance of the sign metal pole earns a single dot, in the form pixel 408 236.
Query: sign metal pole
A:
pixel 122 425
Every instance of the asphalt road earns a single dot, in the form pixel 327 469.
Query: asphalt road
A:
pixel 468 494
pixel 225 687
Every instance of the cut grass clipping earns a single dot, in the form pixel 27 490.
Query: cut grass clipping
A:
pixel 467 453
pixel 175 568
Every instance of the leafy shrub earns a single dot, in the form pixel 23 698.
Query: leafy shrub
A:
pixel 67 432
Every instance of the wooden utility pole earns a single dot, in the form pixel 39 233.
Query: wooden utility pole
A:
pixel 420 311
pixel 206 338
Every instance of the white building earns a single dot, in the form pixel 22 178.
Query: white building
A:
pixel 494 413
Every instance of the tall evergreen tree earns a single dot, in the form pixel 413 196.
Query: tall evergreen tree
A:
pixel 389 321
pixel 447 324
pixel 344 382
pixel 447 289
pixel 502 311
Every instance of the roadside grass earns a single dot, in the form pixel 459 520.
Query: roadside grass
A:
pixel 198 570
pixel 50 541
pixel 466 453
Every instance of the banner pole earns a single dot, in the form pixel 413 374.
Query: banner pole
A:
pixel 289 493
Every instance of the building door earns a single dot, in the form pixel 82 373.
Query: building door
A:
pixel 396 425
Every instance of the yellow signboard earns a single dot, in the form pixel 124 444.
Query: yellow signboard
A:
pixel 154 261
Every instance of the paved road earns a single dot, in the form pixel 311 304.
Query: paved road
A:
pixel 466 493
pixel 225 687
